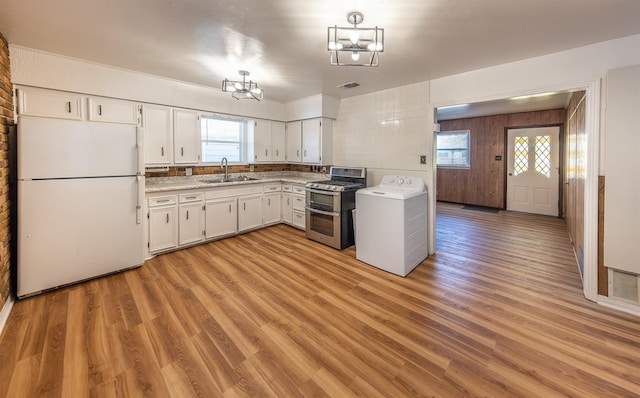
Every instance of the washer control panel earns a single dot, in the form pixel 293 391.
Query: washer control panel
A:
pixel 400 181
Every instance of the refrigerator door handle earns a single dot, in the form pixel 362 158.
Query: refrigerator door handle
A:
pixel 139 199
pixel 139 138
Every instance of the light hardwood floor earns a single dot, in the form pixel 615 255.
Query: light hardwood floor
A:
pixel 498 312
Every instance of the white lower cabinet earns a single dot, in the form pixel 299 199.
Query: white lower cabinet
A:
pixel 249 212
pixel 184 218
pixel 298 199
pixel 163 223
pixel 221 217
pixel 271 211
pixel 191 221
pixel 287 208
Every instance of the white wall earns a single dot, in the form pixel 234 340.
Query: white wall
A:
pixel 386 132
pixel 40 69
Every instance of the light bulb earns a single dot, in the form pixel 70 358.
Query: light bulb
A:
pixel 248 94
pixel 238 85
pixel 332 45
pixel 231 88
pixel 256 90
pixel 355 55
pixel 371 47
pixel 354 36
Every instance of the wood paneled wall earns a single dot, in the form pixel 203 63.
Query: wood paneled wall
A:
pixel 575 173
pixel 483 183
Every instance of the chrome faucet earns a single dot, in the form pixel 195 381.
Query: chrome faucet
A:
pixel 224 164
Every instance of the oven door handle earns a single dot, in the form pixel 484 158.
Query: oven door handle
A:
pixel 326 213
pixel 322 192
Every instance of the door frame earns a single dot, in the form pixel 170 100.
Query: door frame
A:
pixel 560 162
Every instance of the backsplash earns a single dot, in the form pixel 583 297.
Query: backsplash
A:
pixel 176 171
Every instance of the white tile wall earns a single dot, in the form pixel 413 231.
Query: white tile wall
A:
pixel 385 131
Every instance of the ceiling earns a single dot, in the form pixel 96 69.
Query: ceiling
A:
pixel 283 42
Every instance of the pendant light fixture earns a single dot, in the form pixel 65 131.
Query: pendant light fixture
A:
pixel 354 46
pixel 242 89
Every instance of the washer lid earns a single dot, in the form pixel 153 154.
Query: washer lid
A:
pixel 387 192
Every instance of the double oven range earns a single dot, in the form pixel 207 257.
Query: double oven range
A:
pixel 329 206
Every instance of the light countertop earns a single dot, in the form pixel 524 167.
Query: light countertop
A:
pixel 162 184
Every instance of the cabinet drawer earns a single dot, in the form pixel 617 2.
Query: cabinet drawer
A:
pixel 286 188
pixel 163 200
pixel 299 218
pixel 191 197
pixel 272 188
pixel 299 190
pixel 298 202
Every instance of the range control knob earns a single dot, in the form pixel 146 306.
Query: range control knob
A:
pixel 408 181
pixel 400 181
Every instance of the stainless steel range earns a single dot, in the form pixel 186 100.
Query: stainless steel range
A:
pixel 329 219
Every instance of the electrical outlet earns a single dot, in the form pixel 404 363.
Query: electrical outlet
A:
pixel 188 171
pixel 251 167
pixel 423 159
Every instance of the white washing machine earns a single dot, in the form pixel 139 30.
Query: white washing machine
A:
pixel 391 224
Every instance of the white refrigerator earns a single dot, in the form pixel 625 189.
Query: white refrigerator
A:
pixel 80 195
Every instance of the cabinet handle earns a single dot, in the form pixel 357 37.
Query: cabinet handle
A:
pixel 276 153
pixel 181 151
pixel 190 197
pixel 269 201
pixel 229 208
pixel 244 206
pixel 266 152
pixel 162 200
pixel 69 106
pixel 288 201
pixel 187 214
pixel 100 110
pixel 161 151
pixel 167 218
pixel 298 152
pixel 305 153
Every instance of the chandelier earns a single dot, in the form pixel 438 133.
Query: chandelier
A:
pixel 242 89
pixel 354 46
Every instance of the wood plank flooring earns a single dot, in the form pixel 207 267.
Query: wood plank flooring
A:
pixel 498 312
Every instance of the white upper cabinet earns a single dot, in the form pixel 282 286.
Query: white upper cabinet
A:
pixel 278 142
pixel 269 142
pixel 317 141
pixel 294 142
pixel 48 103
pixel 261 141
pixel 186 136
pixel 113 111
pixel 157 122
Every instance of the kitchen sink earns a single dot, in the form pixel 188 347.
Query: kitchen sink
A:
pixel 230 179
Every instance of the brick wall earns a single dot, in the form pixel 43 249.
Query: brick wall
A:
pixel 6 119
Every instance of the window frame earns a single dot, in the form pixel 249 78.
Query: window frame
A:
pixel 243 142
pixel 451 150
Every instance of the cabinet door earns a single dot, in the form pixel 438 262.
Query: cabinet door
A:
pixel 49 103
pixel 190 225
pixel 249 212
pixel 278 142
pixel 287 208
pixel 163 228
pixel 311 141
pixel 113 111
pixel 294 141
pixel 261 140
pixel 158 129
pixel 271 211
pixel 221 218
pixel 186 136
pixel 299 219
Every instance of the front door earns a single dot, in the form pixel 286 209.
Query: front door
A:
pixel 533 170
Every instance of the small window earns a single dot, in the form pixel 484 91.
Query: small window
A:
pixel 452 148
pixel 223 137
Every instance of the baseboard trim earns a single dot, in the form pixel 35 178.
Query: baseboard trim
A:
pixel 4 314
pixel 619 305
